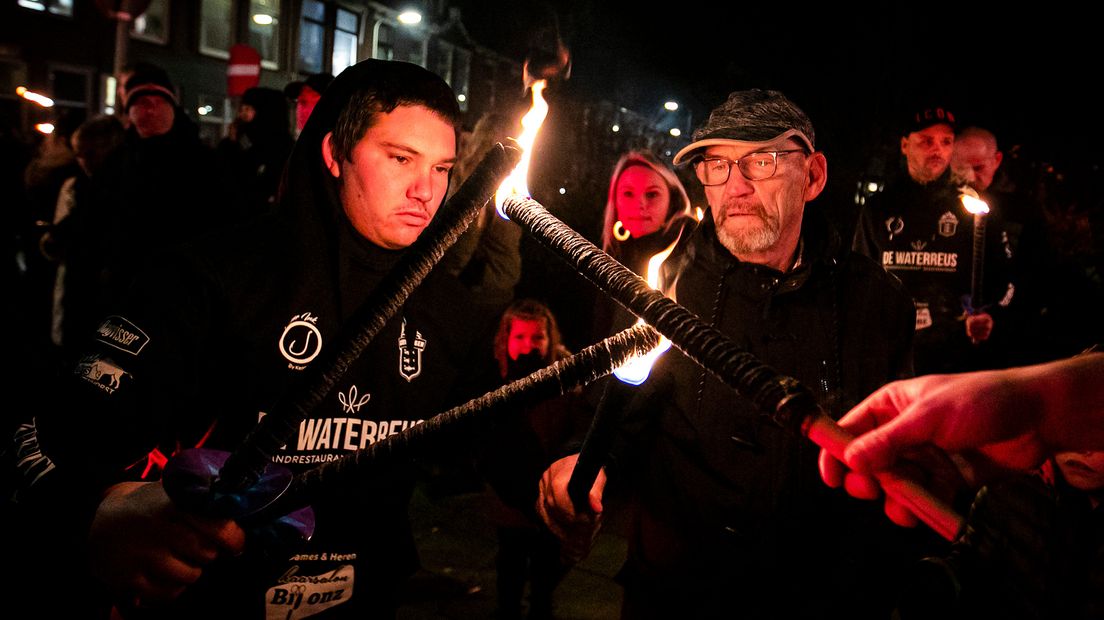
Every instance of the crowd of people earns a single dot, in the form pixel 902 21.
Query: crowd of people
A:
pixel 196 286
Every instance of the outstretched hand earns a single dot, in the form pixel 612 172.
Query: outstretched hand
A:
pixel 986 421
pixel 924 426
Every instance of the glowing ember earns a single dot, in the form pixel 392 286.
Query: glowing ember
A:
pixel 516 184
pixel 636 370
pixel 699 213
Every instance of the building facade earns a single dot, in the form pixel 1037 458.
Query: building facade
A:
pixel 70 51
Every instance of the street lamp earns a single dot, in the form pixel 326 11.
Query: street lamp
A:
pixel 410 17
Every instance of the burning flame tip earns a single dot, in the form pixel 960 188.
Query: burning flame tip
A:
pixel 973 204
pixel 636 370
pixel 516 184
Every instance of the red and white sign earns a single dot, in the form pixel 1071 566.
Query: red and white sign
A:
pixel 244 70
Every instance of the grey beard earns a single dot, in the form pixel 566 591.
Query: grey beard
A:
pixel 749 241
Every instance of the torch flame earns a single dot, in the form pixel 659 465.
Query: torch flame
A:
pixel 973 204
pixel 30 95
pixel 636 370
pixel 515 184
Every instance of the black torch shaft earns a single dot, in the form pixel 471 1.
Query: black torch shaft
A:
pixel 249 460
pixel 784 398
pixel 977 267
pixel 596 445
pixel 581 368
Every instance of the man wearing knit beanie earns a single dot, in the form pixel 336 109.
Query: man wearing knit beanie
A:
pixel 151 101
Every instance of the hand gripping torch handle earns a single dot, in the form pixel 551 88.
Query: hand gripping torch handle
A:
pixel 596 445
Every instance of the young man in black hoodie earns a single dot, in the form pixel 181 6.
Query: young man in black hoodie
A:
pixel 216 336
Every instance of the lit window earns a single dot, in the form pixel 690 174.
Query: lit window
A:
pixel 214 114
pixel 346 40
pixel 216 19
pixel 63 8
pixel 312 37
pixel 264 30
pixel 153 24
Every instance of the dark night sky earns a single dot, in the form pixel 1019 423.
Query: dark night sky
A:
pixel 1030 77
pixel 1027 75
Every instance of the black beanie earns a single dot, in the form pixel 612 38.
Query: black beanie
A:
pixel 149 80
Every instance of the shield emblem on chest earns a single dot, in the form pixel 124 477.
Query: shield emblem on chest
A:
pixel 411 346
pixel 948 224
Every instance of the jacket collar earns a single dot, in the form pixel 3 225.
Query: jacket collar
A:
pixel 820 246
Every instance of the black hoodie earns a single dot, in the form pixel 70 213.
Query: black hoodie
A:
pixel 256 159
pixel 217 335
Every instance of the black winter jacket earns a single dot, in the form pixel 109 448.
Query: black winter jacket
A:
pixel 923 235
pixel 730 505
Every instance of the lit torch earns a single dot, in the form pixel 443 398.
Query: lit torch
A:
pixel 516 184
pixel 541 66
pixel 34 97
pixel 979 209
pixel 599 437
pixel 636 370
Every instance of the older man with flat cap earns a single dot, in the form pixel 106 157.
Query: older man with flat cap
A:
pixel 728 510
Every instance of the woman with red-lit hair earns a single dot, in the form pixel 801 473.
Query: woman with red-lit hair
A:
pixel 648 209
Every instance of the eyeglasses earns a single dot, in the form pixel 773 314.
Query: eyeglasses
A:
pixel 754 167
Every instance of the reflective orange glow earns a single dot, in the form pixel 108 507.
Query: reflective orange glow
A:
pixel 516 184
pixel 636 370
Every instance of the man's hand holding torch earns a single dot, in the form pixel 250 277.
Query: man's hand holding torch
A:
pixel 575 527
